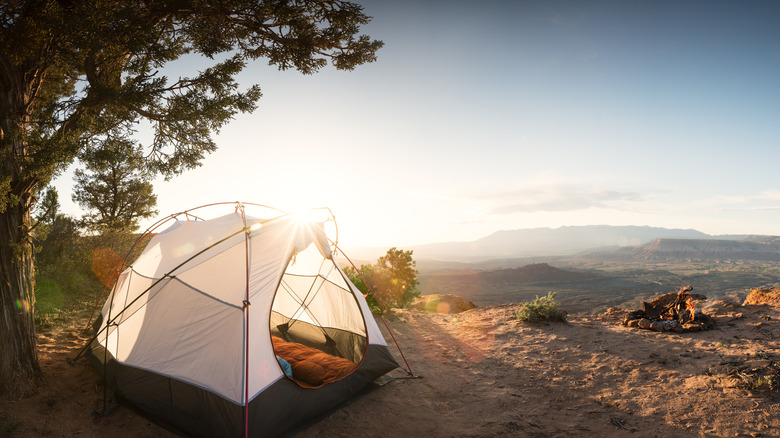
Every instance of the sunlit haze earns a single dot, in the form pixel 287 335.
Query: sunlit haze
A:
pixel 496 115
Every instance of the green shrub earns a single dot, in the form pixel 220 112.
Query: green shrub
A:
pixel 49 301
pixel 541 309
pixel 10 426
pixel 59 296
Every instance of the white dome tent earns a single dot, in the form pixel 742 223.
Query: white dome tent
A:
pixel 237 326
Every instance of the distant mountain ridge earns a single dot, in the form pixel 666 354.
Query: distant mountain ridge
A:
pixel 704 249
pixel 566 240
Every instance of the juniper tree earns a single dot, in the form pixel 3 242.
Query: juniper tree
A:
pixel 74 72
pixel 114 189
pixel 392 280
pixel 397 276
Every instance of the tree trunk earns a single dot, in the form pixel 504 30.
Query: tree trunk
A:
pixel 20 372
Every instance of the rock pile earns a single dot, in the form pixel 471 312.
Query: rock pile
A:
pixel 678 312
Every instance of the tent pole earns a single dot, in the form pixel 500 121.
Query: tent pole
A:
pixel 247 231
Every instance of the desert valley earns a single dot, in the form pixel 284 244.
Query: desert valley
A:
pixel 484 373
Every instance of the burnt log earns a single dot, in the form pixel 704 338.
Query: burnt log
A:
pixel 685 315
pixel 653 311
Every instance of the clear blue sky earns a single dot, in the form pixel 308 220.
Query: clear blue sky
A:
pixel 491 115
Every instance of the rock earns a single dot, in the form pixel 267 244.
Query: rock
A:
pixel 766 295
pixel 666 300
pixel 615 315
pixel 692 327
pixel 721 307
pixel 670 325
pixel 439 303
pixel 614 310
pixel 636 314
pixel 677 312
pixel 707 322
pixel 628 317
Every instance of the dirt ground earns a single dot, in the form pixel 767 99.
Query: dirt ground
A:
pixel 483 373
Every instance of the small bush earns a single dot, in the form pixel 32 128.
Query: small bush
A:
pixel 49 301
pixel 61 296
pixel 541 309
pixel 10 426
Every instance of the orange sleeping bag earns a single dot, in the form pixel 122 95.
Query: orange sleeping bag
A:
pixel 310 365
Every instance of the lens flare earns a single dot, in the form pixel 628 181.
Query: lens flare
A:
pixel 183 250
pixel 443 307
pixel 104 262
pixel 23 306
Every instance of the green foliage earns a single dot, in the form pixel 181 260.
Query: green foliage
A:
pixel 72 269
pixel 396 277
pixel 541 309
pixel 10 426
pixel 79 73
pixel 49 301
pixel 357 280
pixel 45 213
pixel 71 281
pixel 76 75
pixel 114 190
pixel 392 280
pixel 765 378
pixel 61 248
pixel 59 299
pixel 766 382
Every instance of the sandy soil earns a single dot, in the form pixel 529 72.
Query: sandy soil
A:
pixel 483 373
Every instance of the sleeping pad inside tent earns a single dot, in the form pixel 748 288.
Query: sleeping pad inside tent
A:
pixel 237 326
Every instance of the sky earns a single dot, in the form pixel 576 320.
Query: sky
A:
pixel 500 115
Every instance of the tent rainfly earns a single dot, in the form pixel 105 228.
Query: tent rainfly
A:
pixel 237 326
